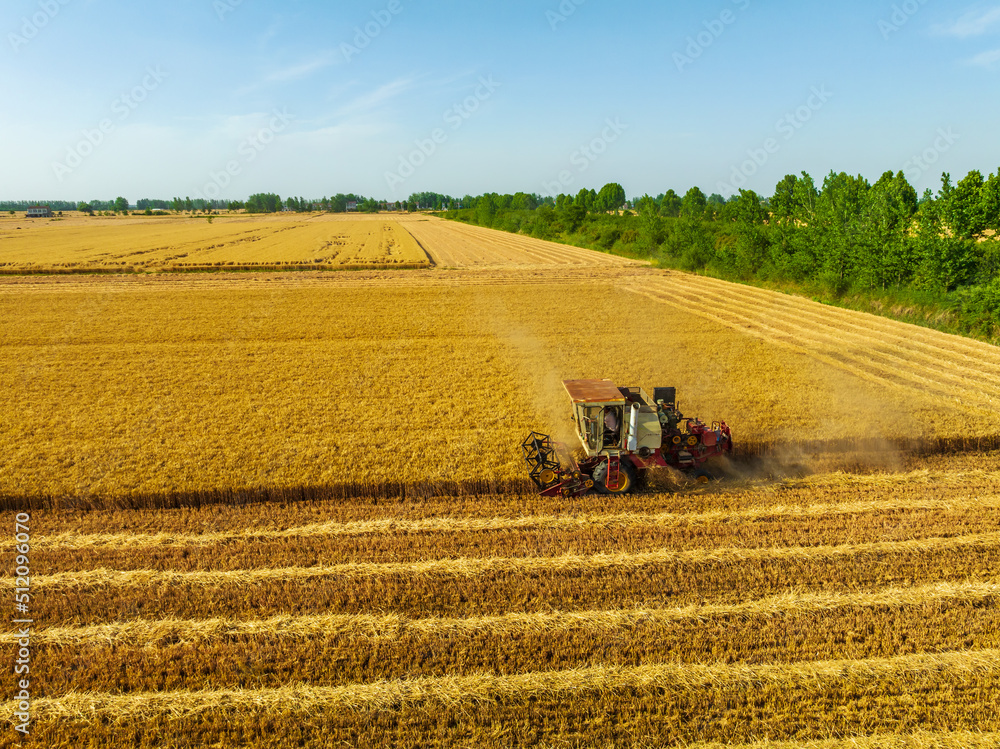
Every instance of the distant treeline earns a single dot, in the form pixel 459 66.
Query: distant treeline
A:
pixel 23 205
pixel 934 257
pixel 257 203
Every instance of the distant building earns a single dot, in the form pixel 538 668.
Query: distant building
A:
pixel 352 205
pixel 38 211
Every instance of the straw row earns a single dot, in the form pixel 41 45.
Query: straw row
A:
pixel 812 676
pixel 472 567
pixel 531 522
pixel 147 632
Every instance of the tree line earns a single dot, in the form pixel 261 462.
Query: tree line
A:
pixel 844 238
pixel 257 203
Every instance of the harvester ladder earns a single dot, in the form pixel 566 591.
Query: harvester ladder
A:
pixel 614 473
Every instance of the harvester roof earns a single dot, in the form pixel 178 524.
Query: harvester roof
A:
pixel 593 391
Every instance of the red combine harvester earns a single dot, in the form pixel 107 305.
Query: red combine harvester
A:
pixel 624 433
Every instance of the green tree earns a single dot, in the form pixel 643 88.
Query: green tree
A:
pixel 839 210
pixel 572 217
pixel 783 202
pixel 693 204
pixel 670 205
pixel 263 202
pixel 121 205
pixel 805 195
pixel 963 205
pixel 886 252
pixel 651 230
pixel 749 253
pixel 943 262
pixel 990 202
pixel 523 202
pixel 611 197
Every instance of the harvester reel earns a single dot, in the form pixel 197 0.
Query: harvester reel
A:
pixel 540 455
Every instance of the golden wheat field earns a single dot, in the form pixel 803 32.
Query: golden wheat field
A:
pixel 237 242
pixel 289 509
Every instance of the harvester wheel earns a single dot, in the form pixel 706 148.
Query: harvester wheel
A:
pixel 626 478
pixel 692 440
pixel 701 476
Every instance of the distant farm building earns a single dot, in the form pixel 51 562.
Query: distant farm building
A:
pixel 38 211
pixel 352 205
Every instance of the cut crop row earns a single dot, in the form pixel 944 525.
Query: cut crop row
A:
pixel 699 535
pixel 496 586
pixel 338 650
pixel 669 703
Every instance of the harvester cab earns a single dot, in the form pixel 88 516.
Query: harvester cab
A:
pixel 623 433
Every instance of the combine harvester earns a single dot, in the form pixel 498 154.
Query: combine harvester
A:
pixel 624 433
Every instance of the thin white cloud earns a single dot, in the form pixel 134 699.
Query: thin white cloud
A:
pixel 290 73
pixel 972 23
pixel 985 59
pixel 376 98
pixel 294 72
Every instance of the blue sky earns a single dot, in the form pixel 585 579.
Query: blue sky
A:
pixel 225 98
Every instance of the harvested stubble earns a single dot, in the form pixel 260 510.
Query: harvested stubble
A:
pixel 919 514
pixel 721 611
pixel 456 245
pixel 144 632
pixel 954 485
pixel 333 649
pixel 670 678
pixel 501 539
pixel 471 567
pixel 476 587
pixel 230 243
pixel 905 357
pixel 352 656
pixel 918 740
pixel 673 700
